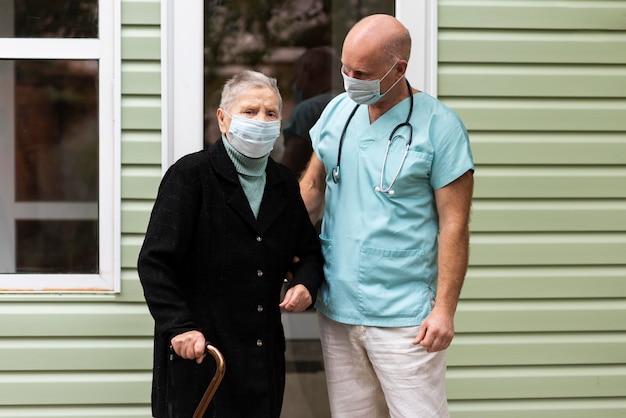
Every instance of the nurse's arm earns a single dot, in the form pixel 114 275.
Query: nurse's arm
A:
pixel 453 205
pixel 312 188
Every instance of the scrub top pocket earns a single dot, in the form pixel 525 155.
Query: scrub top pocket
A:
pixel 391 275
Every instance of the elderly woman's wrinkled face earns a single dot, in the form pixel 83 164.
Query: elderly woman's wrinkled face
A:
pixel 258 103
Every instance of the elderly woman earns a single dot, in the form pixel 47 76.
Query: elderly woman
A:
pixel 225 228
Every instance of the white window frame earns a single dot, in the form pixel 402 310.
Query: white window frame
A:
pixel 106 50
pixel 182 89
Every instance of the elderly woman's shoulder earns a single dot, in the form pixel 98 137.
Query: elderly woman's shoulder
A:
pixel 192 159
pixel 188 164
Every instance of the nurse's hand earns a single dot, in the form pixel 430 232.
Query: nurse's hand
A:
pixel 190 345
pixel 436 331
pixel 297 299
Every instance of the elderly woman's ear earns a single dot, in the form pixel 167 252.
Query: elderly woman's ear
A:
pixel 223 120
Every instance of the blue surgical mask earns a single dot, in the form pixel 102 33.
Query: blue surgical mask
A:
pixel 253 138
pixel 365 92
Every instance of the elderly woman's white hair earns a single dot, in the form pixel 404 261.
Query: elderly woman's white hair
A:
pixel 243 81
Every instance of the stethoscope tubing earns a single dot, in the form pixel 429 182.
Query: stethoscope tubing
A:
pixel 407 123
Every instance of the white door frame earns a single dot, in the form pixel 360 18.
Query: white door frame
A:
pixel 183 91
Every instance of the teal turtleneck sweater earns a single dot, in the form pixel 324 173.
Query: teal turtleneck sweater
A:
pixel 251 173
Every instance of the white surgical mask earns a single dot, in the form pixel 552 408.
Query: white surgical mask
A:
pixel 253 138
pixel 365 92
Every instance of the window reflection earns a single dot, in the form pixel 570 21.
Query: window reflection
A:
pixel 46 246
pixel 56 130
pixel 53 18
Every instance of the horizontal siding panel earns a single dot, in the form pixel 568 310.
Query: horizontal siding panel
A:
pixel 95 411
pixel 531 80
pixel 135 216
pixel 493 249
pixel 141 78
pixel 131 287
pixel 537 349
pixel 541 324
pixel 74 388
pixel 141 148
pixel 555 148
pixel 130 250
pixel 541 114
pixel 540 408
pixel 550 183
pixel 81 319
pixel 537 14
pixel 549 282
pixel 141 12
pixel 531 47
pixel 593 315
pixel 74 354
pixel 140 44
pixel 548 215
pixel 536 382
pixel 140 183
pixel 141 113
pixel 462 383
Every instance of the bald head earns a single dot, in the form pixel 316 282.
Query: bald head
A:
pixel 381 37
pixel 378 48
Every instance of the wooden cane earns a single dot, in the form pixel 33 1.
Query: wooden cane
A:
pixel 215 382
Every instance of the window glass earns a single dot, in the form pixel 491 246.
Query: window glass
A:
pixel 49 137
pixel 56 130
pixel 54 18
pixel 56 246
pixel 51 133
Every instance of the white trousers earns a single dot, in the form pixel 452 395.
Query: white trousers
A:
pixel 377 372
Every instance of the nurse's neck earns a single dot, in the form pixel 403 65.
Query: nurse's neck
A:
pixel 392 98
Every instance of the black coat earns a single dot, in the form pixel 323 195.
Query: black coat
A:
pixel 207 264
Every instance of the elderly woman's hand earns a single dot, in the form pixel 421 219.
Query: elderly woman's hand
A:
pixel 297 299
pixel 190 345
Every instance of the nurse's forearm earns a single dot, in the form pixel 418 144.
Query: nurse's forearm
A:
pixel 313 187
pixel 453 204
pixel 453 260
pixel 314 202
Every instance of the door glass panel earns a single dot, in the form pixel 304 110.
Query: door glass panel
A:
pixel 272 37
pixel 54 18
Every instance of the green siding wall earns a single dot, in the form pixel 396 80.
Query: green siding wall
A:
pixel 91 356
pixel 541 86
pixel 541 327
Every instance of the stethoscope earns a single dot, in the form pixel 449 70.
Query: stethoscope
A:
pixel 380 187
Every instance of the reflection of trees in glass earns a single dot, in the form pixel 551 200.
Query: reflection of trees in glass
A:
pixel 56 18
pixel 244 32
pixel 269 35
pixel 56 138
